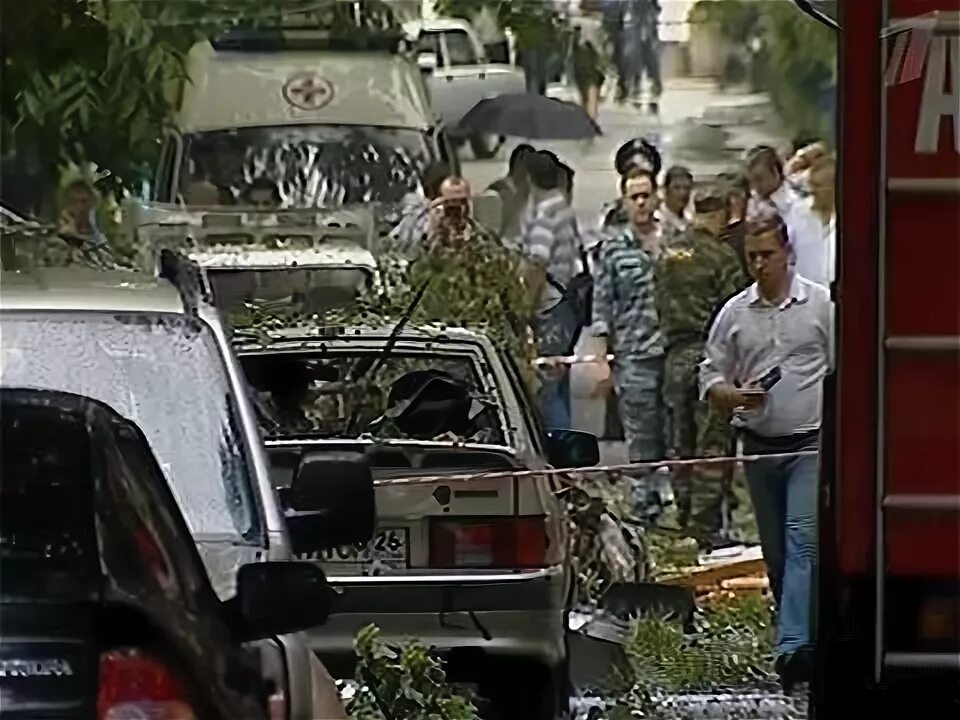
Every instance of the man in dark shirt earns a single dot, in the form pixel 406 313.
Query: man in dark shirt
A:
pixel 514 191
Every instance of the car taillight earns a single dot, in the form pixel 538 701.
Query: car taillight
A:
pixel 135 686
pixel 517 542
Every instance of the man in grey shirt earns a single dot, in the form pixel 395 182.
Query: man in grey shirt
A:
pixel 550 240
pixel 782 325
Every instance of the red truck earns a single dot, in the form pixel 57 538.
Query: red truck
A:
pixel 889 581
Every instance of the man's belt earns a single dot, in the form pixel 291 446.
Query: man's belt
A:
pixel 780 443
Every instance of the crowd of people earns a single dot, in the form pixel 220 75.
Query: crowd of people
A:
pixel 713 302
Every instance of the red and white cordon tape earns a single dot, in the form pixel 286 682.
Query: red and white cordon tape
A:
pixel 627 467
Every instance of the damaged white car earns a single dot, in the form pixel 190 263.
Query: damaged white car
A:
pixel 476 567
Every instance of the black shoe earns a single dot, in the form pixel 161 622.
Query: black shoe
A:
pixel 795 669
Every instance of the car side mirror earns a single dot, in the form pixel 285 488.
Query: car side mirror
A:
pixel 276 598
pixel 572 449
pixel 427 61
pixel 330 502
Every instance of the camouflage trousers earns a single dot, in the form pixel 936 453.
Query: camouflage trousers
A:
pixel 694 429
pixel 638 386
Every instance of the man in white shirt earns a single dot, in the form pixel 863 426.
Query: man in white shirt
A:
pixel 805 156
pixel 781 325
pixel 770 190
pixel 812 226
pixel 822 181
pixel 807 219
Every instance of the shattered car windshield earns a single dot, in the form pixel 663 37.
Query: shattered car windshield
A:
pixel 239 293
pixel 165 373
pixel 417 396
pixel 303 166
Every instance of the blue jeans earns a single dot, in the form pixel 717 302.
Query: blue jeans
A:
pixel 555 330
pixel 555 401
pixel 784 496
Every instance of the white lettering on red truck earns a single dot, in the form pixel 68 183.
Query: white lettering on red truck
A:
pixel 938 101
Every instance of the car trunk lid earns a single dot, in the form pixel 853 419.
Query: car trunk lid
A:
pixel 426 492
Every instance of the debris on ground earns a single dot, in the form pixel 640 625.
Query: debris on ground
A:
pixel 717 570
pixel 730 705
pixel 655 667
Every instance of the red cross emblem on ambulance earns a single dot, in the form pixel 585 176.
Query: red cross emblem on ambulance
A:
pixel 307 91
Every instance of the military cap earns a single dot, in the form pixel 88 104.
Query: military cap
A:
pixel 637 152
pixel 709 199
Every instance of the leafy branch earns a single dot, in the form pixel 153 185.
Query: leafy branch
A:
pixel 731 647
pixel 403 681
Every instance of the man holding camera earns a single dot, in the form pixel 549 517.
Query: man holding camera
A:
pixel 766 356
pixel 450 215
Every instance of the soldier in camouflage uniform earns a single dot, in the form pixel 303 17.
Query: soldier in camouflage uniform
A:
pixel 695 274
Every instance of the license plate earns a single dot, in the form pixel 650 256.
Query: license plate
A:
pixel 388 547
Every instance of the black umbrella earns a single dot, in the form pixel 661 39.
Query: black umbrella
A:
pixel 530 116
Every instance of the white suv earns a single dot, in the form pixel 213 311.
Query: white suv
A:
pixel 323 124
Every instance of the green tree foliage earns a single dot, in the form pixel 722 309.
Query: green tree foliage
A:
pixel 799 58
pixel 732 646
pixel 802 63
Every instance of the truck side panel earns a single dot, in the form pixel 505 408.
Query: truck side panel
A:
pixel 890 563
pixel 920 428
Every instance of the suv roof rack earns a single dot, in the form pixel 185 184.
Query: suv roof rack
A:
pixel 309 38
pixel 208 227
